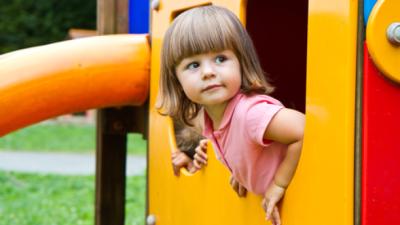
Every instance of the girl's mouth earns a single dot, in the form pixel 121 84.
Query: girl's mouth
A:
pixel 211 87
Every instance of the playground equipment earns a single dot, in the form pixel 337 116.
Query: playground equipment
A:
pixel 321 64
pixel 72 76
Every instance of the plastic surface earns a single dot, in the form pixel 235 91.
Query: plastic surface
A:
pixel 368 5
pixel 385 55
pixel 43 82
pixel 139 16
pixel 322 190
pixel 381 155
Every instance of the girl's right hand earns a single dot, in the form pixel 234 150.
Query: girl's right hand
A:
pixel 272 197
pixel 200 158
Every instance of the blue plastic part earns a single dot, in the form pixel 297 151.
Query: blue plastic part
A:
pixel 139 15
pixel 368 5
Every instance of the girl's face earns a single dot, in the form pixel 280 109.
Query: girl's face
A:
pixel 210 79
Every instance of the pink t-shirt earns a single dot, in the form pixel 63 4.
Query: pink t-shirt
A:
pixel 239 142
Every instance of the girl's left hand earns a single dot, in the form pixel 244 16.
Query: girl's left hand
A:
pixel 179 160
pixel 272 196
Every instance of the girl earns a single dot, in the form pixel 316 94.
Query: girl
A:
pixel 209 66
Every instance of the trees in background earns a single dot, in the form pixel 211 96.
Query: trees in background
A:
pixel 27 23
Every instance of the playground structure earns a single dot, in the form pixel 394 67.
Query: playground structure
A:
pixel 321 63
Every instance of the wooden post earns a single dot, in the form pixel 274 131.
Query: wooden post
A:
pixel 112 129
pixel 113 124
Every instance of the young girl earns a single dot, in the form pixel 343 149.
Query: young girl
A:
pixel 209 66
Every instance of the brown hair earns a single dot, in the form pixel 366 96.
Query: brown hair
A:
pixel 202 30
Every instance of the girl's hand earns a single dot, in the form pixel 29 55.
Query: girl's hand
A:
pixel 179 160
pixel 272 196
pixel 200 158
pixel 237 187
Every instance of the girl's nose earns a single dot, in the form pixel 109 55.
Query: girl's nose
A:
pixel 207 71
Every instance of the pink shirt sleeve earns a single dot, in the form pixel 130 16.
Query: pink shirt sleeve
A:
pixel 258 117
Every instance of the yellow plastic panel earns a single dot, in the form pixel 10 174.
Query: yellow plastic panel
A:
pixel 385 55
pixel 322 190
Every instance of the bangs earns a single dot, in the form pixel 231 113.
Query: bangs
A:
pixel 201 32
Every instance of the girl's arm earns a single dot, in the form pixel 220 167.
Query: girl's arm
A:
pixel 286 127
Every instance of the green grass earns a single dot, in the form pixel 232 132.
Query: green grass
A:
pixel 56 137
pixel 31 199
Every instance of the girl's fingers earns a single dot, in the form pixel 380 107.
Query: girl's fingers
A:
pixel 192 168
pixel 174 162
pixel 264 204
pixel 201 152
pixel 203 144
pixel 270 208
pixel 175 168
pixel 200 157
pixel 276 216
pixel 197 157
pixel 180 161
pixel 242 191
pixel 196 165
pixel 201 160
pixel 235 186
pixel 173 155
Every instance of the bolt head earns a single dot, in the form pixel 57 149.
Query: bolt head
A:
pixel 155 5
pixel 151 220
pixel 393 33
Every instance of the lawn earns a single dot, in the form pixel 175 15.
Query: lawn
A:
pixel 31 199
pixel 61 137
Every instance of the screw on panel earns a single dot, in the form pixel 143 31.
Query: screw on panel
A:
pixel 393 33
pixel 151 220
pixel 155 5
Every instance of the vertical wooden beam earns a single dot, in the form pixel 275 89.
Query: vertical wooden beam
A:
pixel 112 16
pixel 112 129
pixel 122 23
pixel 106 16
pixel 111 166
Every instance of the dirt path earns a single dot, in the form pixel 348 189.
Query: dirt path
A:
pixel 61 163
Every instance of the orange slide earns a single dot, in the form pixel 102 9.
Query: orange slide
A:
pixel 71 76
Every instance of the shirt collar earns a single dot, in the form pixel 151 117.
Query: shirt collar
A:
pixel 229 110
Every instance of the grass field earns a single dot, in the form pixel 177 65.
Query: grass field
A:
pixel 29 199
pixel 33 199
pixel 56 137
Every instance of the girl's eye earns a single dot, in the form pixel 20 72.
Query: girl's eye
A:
pixel 220 59
pixel 192 65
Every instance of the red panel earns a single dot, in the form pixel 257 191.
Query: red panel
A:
pixel 381 148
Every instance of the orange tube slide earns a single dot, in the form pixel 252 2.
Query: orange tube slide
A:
pixel 71 76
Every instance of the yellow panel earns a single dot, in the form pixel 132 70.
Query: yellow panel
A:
pixel 386 56
pixel 322 190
